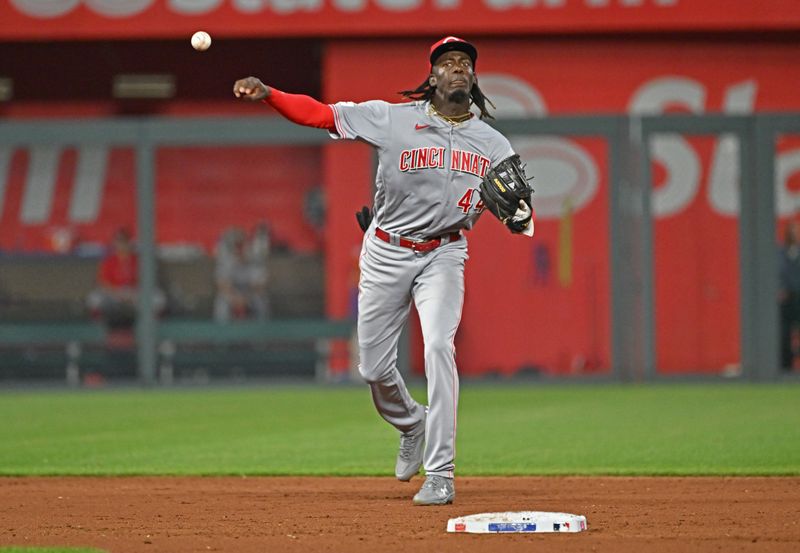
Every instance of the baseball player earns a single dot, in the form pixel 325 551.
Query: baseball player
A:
pixel 432 153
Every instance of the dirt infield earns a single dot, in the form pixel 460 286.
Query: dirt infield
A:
pixel 255 514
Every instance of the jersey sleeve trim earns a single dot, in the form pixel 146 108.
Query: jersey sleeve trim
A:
pixel 337 122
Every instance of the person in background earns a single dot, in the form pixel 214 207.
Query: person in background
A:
pixel 115 297
pixel 241 275
pixel 789 292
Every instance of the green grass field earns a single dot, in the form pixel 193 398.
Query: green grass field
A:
pixel 503 430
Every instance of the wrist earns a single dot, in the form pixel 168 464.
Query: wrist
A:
pixel 518 226
pixel 269 93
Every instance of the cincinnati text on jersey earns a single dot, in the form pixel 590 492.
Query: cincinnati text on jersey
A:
pixel 433 157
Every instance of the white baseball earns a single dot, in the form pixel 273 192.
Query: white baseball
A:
pixel 201 40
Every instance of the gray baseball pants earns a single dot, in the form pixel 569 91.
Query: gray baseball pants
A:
pixel 391 276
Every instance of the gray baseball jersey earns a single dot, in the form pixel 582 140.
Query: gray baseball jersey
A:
pixel 426 186
pixel 428 169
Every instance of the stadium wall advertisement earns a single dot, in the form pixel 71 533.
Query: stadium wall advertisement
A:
pixel 556 286
pixel 49 194
pixel 81 19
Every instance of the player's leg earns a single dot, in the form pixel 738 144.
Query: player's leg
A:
pixel 384 300
pixel 439 297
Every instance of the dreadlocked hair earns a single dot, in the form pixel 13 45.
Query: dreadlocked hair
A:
pixel 425 92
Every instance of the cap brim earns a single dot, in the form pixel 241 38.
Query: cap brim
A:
pixel 460 46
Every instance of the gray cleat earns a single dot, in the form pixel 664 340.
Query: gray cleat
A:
pixel 409 458
pixel 437 490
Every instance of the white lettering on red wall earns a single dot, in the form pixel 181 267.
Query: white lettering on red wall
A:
pixel 569 169
pixel 128 8
pixel 572 173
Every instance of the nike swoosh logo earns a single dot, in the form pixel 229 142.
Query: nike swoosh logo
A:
pixel 419 127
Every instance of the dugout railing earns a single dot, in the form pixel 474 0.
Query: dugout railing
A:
pixel 633 332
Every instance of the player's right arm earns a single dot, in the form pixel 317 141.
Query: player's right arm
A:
pixel 298 108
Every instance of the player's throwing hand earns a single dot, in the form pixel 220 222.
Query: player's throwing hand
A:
pixel 250 88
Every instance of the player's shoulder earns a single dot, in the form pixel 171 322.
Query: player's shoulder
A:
pixel 414 105
pixel 383 105
pixel 366 103
pixel 482 127
pixel 496 144
pixel 400 110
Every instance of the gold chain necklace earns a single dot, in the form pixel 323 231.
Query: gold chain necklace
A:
pixel 452 119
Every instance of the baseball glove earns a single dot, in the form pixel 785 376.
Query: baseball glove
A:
pixel 502 189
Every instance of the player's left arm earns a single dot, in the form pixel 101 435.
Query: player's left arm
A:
pixel 522 221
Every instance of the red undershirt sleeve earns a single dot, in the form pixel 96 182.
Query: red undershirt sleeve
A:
pixel 301 109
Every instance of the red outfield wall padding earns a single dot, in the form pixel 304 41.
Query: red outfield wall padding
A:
pixel 555 288
pixel 199 193
pixel 561 277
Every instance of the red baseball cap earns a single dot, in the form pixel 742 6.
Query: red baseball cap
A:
pixel 449 43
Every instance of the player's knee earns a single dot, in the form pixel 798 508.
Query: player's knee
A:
pixel 370 373
pixel 376 364
pixel 438 347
